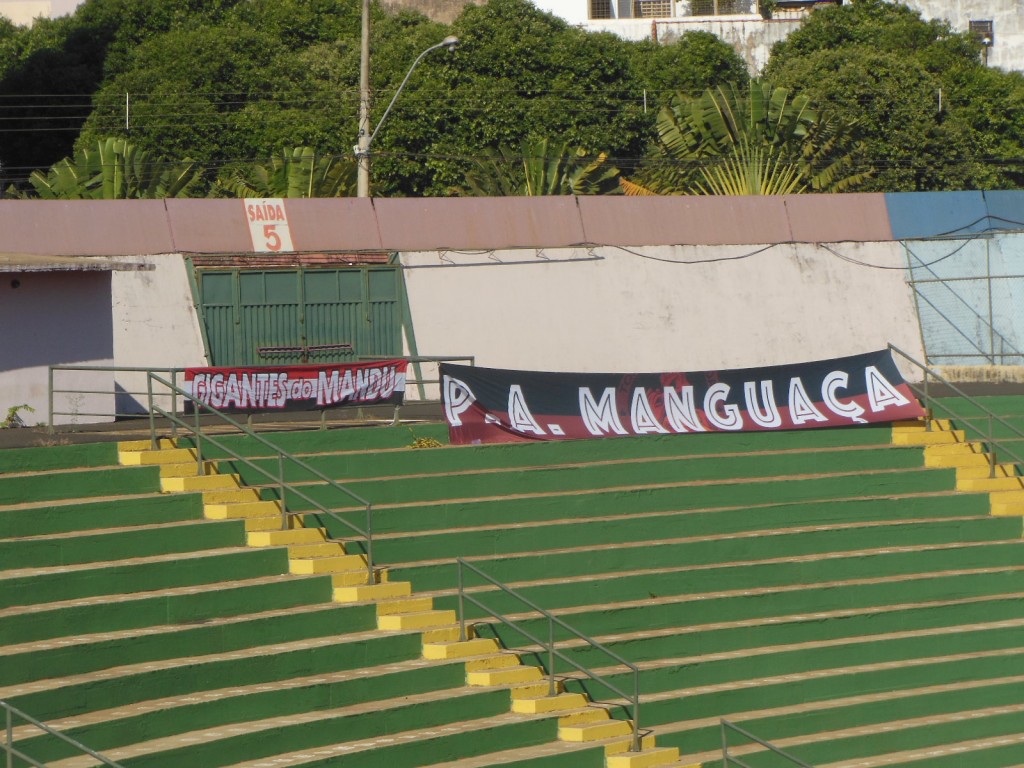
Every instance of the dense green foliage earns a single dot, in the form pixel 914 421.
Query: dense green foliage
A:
pixel 225 81
pixel 230 83
pixel 881 65
pixel 757 140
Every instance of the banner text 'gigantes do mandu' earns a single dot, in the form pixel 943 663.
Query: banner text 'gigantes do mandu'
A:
pixel 298 387
pixel 488 405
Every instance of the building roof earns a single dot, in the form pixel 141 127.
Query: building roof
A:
pixel 33 262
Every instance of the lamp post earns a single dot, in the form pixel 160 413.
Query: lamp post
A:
pixel 362 148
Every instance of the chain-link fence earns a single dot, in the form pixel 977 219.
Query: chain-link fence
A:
pixel 970 298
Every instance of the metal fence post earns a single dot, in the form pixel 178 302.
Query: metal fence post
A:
pixel 49 419
pixel 280 479
pixel 462 607
pixel 551 657
pixel 636 712
pixel 199 442
pixel 174 402
pixel 10 738
pixel 152 414
pixel 991 450
pixel 371 577
pixel 725 746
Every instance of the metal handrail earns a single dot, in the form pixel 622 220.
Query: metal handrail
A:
pixel 13 752
pixel 728 759
pixel 52 390
pixel 549 645
pixel 930 403
pixel 283 458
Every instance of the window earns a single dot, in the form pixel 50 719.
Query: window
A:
pixel 600 9
pixel 982 32
pixel 649 9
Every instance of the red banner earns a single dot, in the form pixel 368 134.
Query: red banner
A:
pixel 298 387
pixel 486 405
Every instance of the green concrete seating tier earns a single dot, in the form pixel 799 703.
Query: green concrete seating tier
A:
pixel 821 588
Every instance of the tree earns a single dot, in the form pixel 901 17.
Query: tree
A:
pixel 883 66
pixel 113 170
pixel 297 172
pixel 757 140
pixel 542 168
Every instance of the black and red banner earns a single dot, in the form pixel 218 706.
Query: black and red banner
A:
pixel 298 387
pixel 488 405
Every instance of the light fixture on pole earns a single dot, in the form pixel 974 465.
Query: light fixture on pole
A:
pixel 362 149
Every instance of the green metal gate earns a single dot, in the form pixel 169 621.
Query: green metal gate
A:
pixel 298 315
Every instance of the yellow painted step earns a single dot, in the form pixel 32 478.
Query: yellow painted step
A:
pixel 499 661
pixel 591 714
pixel 480 646
pixel 198 483
pixel 144 445
pixel 1008 507
pixel 262 524
pixel 291 536
pixel 648 758
pixel 536 689
pixel 162 456
pixel 971 446
pixel 988 485
pixel 547 704
pixel 972 473
pixel 951 460
pixel 420 620
pixel 241 509
pixel 405 605
pixel 928 438
pixel 444 634
pixel 918 425
pixel 188 469
pixel 332 564
pixel 321 548
pixel 359 594
pixel 607 729
pixel 619 746
pixel 231 496
pixel 356 579
pixel 505 676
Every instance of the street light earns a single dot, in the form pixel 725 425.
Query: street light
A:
pixel 362 149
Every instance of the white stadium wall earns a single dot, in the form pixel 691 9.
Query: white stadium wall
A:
pixel 669 308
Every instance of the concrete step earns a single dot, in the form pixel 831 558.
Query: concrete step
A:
pixel 198 483
pixel 480 646
pixel 332 564
pixel 419 620
pixel 161 456
pixel 366 592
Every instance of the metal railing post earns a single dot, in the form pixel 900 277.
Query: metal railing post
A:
pixel 371 576
pixel 927 405
pixel 174 401
pixel 199 441
pixel 991 451
pixel 462 607
pixel 152 412
pixel 284 504
pixel 10 738
pixel 49 417
pixel 551 657
pixel 636 714
pixel 725 745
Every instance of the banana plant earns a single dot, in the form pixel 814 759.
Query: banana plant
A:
pixel 758 141
pixel 297 172
pixel 540 167
pixel 113 170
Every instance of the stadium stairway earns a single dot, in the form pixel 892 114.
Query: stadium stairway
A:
pixel 834 591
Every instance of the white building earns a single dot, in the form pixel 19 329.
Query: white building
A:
pixel 24 11
pixel 738 22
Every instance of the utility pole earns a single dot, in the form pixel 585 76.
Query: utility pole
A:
pixel 363 146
